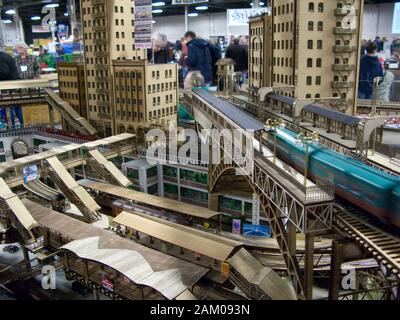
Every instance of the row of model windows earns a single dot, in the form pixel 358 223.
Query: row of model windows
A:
pixel 68 84
pixel 168 98
pixel 98 61
pixel 163 112
pixel 278 10
pixel 283 62
pixel 68 73
pixel 69 95
pixel 102 109
pixel 133 74
pixel 156 74
pixel 128 88
pixel 129 114
pixel 285 79
pixel 283 44
pixel 278 27
pixel 160 87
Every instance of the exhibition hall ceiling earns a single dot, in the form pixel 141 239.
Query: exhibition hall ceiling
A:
pixel 29 8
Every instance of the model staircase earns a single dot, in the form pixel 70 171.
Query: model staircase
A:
pixel 79 123
pixel 72 191
pixel 107 169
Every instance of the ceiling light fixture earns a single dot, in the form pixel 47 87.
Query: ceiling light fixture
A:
pixel 158 4
pixel 202 8
pixel 34 18
pixel 66 14
pixel 52 5
pixel 193 14
pixel 7 21
pixel 157 11
pixel 10 11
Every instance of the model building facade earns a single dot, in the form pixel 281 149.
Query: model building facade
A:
pixel 108 34
pixel 302 53
pixel 145 94
pixel 72 86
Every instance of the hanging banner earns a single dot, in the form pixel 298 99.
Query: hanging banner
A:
pixel 240 17
pixel 143 24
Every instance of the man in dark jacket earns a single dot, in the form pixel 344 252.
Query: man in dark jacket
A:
pixel 8 68
pixel 238 53
pixel 199 56
pixel 370 68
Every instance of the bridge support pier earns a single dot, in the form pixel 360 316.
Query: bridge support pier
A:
pixel 309 266
pixel 213 202
pixel 96 294
pixel 51 117
pixel 336 262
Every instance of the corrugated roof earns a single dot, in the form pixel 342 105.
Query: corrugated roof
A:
pixel 198 241
pixel 281 98
pixel 333 115
pixel 150 200
pixel 131 264
pixel 241 118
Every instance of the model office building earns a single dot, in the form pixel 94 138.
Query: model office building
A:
pixel 315 47
pixel 72 87
pixel 145 94
pixel 108 34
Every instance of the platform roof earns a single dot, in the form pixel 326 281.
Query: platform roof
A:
pixel 333 115
pixel 241 118
pixel 150 200
pixel 283 99
pixel 131 264
pixel 208 245
pixel 76 230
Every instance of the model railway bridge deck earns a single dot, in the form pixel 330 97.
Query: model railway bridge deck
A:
pixel 286 204
pixel 341 132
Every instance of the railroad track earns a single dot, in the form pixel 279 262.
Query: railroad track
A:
pixel 357 225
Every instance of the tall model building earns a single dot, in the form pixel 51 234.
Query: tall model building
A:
pixel 71 80
pixel 108 34
pixel 145 94
pixel 302 54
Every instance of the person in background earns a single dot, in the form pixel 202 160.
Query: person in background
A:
pixel 370 68
pixel 216 54
pixel 384 88
pixel 27 66
pixel 162 49
pixel 238 53
pixel 59 49
pixel 379 43
pixel 199 56
pixel 8 67
pixel 363 47
pixel 46 60
pixel 183 52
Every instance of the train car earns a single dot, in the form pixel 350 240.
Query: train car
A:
pixel 368 188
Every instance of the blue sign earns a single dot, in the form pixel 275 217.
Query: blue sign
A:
pixel 256 231
pixel 236 226
pixel 30 173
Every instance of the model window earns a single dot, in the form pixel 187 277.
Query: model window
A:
pixel 320 7
pixel 311 6
pixel 309 63
pixel 309 44
pixel 319 63
pixel 308 95
pixel 310 25
pixel 319 44
pixel 320 26
pixel 309 81
pixel 318 80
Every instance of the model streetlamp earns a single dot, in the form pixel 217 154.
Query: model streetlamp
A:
pixel 307 139
pixel 274 125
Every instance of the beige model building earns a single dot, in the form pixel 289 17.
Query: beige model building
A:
pixel 108 34
pixel 260 53
pixel 72 87
pixel 302 53
pixel 144 95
